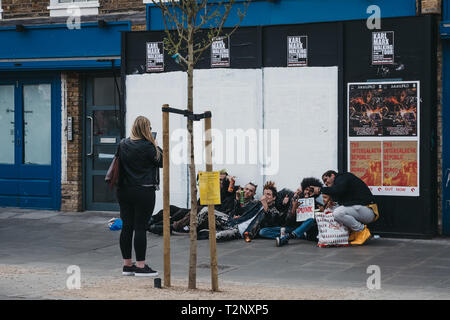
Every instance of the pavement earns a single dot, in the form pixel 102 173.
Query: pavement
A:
pixel 37 247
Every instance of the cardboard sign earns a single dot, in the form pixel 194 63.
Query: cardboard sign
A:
pixel 209 185
pixel 305 209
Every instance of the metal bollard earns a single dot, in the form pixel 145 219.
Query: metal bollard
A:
pixel 157 283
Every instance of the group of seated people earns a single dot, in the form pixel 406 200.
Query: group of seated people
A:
pixel 273 216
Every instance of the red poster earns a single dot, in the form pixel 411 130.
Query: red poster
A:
pixel 365 161
pixel 400 163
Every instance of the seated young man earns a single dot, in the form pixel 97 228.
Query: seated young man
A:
pixel 249 200
pixel 270 215
pixel 247 222
pixel 294 229
pixel 180 217
pixel 248 208
pixel 357 206
pixel 227 192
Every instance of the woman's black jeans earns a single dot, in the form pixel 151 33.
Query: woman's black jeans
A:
pixel 136 208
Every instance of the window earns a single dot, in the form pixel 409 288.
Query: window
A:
pixel 64 8
pixel 1 9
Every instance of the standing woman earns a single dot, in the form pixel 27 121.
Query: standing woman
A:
pixel 140 160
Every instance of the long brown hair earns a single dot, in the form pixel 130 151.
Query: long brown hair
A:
pixel 142 130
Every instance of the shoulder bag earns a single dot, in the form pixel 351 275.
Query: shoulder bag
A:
pixel 112 176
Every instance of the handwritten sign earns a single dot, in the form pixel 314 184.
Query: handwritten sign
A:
pixel 305 209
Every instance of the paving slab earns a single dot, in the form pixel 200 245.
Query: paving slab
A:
pixel 53 241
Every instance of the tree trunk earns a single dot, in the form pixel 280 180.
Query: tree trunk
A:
pixel 192 176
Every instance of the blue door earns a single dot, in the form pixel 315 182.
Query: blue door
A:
pixel 30 143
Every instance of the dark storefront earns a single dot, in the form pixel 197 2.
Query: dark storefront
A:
pixel 407 210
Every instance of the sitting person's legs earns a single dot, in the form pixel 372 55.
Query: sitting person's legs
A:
pixel 354 217
pixel 304 227
pixel 272 232
pixel 228 234
pixel 220 218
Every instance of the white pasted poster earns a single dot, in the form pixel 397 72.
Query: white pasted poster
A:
pixel 155 56
pixel 220 52
pixel 383 47
pixel 297 51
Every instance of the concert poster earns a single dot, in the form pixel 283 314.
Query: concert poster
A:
pixel 383 110
pixel 383 136
pixel 365 161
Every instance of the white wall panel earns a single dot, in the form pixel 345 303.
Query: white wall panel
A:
pixel 234 98
pixel 297 108
pixel 145 96
pixel 302 103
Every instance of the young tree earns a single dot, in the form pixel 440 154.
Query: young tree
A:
pixel 191 27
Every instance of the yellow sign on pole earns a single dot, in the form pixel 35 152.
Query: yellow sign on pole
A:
pixel 209 187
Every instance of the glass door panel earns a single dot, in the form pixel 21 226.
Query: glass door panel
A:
pixel 105 92
pixel 37 124
pixel 102 125
pixel 7 135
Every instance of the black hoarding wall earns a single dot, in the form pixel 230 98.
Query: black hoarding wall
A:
pixel 347 45
pixel 325 48
pixel 414 60
pixel 245 48
pixel 323 44
pixel 248 49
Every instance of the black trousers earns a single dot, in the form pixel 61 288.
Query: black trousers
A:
pixel 136 207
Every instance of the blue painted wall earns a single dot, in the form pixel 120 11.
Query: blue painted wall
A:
pixel 303 11
pixel 445 35
pixel 43 47
pixel 445 10
pixel 446 138
pixel 57 41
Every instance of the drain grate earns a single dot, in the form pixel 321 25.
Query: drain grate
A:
pixel 208 266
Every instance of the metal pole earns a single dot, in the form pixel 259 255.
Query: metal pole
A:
pixel 166 196
pixel 211 216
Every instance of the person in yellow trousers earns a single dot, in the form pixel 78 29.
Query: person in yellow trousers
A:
pixel 357 207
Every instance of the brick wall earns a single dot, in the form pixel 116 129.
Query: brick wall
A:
pixel 14 9
pixel 71 189
pixel 113 6
pixel 139 27
pixel 431 6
